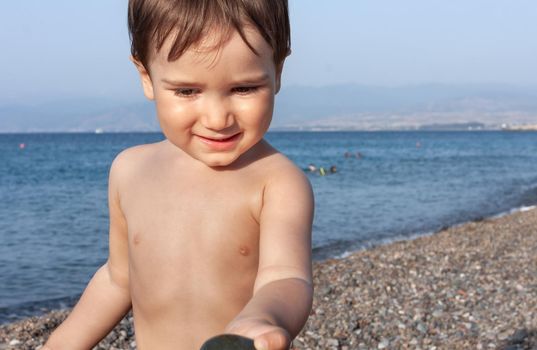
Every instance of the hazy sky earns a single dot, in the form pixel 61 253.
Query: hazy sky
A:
pixel 65 48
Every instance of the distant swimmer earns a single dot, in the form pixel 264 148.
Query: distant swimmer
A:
pixel 357 155
pixel 22 145
pixel 312 168
pixel 333 169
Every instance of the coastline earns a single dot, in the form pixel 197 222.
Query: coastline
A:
pixel 402 238
pixel 470 286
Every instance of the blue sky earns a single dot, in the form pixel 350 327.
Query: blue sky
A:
pixel 64 48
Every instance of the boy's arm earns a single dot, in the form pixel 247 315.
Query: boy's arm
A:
pixel 106 298
pixel 283 290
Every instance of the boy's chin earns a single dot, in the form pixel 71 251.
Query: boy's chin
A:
pixel 219 161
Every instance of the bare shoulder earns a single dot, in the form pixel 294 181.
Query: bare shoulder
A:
pixel 284 178
pixel 134 156
pixel 131 161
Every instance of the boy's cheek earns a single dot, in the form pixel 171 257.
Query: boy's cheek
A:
pixel 260 106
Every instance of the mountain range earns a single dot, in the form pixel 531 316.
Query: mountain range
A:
pixel 337 107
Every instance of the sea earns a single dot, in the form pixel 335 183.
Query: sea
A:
pixel 386 186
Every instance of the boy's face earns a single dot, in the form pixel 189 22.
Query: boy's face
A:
pixel 214 104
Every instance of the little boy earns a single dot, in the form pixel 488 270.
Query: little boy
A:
pixel 210 229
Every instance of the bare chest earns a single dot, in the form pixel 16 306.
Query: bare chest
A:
pixel 194 225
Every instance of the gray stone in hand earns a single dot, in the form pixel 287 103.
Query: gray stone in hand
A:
pixel 228 342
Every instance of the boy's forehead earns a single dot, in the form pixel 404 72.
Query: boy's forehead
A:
pixel 208 47
pixel 217 42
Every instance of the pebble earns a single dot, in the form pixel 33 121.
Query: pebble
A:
pixel 383 344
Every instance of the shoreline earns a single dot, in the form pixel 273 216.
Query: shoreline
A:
pixel 66 302
pixel 470 286
pixel 413 236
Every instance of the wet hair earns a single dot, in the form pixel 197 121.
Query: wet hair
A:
pixel 188 22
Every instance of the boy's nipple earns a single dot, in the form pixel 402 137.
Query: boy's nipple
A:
pixel 136 239
pixel 244 250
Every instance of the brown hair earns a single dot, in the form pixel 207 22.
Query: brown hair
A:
pixel 151 22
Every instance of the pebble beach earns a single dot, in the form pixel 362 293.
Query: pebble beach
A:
pixel 473 286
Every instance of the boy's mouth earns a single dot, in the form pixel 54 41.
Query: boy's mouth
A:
pixel 221 142
pixel 220 139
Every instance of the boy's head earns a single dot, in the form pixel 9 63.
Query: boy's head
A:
pixel 187 22
pixel 212 67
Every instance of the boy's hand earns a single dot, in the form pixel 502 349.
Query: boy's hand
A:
pixel 266 336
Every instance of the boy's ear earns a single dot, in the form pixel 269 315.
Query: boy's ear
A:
pixel 147 84
pixel 279 70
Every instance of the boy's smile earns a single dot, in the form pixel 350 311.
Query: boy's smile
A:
pixel 214 103
pixel 221 144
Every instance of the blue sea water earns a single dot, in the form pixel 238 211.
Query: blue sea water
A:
pixel 53 207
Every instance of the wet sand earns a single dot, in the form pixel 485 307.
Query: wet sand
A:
pixel 472 286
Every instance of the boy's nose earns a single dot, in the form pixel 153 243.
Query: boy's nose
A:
pixel 217 115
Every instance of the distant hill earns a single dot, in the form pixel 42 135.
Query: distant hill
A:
pixel 308 108
pixel 409 107
pixel 78 116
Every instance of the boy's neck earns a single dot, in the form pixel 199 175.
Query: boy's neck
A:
pixel 260 150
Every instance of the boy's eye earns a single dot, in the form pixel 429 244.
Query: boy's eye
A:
pixel 245 89
pixel 186 92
